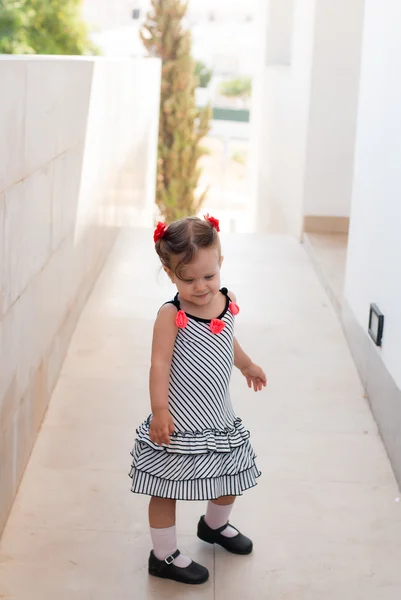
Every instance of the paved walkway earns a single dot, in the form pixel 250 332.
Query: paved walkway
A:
pixel 324 517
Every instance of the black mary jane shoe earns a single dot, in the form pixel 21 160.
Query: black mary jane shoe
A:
pixel 239 544
pixel 193 574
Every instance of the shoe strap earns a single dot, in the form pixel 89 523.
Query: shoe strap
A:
pixel 220 529
pixel 170 559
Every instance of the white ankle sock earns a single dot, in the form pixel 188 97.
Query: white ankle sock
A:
pixel 217 516
pixel 165 544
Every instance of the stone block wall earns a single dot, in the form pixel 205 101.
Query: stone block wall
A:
pixel 78 146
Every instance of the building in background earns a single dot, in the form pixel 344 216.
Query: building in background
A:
pixel 223 36
pixel 116 24
pixel 106 14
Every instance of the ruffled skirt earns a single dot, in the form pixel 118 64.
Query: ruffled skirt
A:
pixel 196 465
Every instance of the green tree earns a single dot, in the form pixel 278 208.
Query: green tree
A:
pixel 14 25
pixel 181 125
pixel 203 74
pixel 236 88
pixel 43 27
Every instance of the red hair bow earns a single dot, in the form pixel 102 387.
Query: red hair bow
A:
pixel 159 231
pixel 213 222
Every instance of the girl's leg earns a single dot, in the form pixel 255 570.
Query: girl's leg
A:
pixel 224 501
pixel 218 513
pixel 162 512
pixel 163 531
pixel 213 528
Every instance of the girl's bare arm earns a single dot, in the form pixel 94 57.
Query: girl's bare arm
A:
pixel 164 334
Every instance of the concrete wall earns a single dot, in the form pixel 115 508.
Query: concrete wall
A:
pixel 373 267
pixel 305 129
pixel 78 145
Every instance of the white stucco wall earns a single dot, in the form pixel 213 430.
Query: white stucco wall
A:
pixel 333 107
pixel 374 255
pixel 280 120
pixel 78 149
pixel 305 124
pixel 279 32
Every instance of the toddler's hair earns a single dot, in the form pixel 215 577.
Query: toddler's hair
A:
pixel 183 239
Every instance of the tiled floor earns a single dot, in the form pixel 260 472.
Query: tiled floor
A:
pixel 324 517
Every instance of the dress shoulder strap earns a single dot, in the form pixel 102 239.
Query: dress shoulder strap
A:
pixel 176 302
pixel 224 291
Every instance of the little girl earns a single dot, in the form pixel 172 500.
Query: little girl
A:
pixel 193 446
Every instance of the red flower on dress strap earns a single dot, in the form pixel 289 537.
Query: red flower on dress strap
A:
pixel 234 308
pixel 159 231
pixel 181 319
pixel 216 326
pixel 213 222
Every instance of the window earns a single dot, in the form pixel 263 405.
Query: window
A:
pixel 279 32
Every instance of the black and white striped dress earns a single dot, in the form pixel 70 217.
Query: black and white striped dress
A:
pixel 210 454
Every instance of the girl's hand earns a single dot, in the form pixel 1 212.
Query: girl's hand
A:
pixel 255 377
pixel 161 427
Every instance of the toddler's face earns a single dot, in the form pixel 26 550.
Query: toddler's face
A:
pixel 200 279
